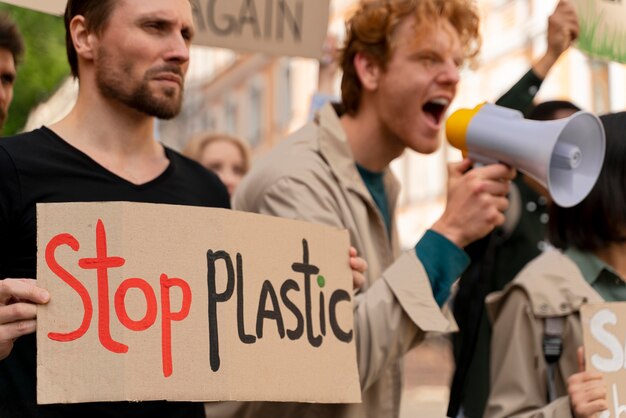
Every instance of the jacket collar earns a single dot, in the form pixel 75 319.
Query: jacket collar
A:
pixel 554 286
pixel 335 149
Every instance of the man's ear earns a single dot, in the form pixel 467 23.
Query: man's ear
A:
pixel 368 71
pixel 84 40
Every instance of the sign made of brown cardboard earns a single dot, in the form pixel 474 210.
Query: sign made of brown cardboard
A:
pixel 278 27
pixel 153 302
pixel 55 7
pixel 604 334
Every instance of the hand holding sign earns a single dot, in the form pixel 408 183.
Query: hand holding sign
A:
pixel 587 391
pixel 562 28
pixel 358 266
pixel 18 299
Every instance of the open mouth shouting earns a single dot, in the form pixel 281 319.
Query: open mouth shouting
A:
pixel 435 109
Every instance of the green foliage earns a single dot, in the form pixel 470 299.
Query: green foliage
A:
pixel 44 65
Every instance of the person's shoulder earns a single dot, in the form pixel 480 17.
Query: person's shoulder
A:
pixel 195 177
pixel 548 268
pixel 295 165
pixel 182 160
pixel 297 156
pixel 22 141
pixel 189 167
pixel 24 148
pixel 292 165
pixel 551 284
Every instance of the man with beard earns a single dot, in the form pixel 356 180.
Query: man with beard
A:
pixel 130 58
pixel 11 50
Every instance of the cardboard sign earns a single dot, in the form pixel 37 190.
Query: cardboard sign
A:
pixel 278 27
pixel 55 7
pixel 153 302
pixel 604 335
pixel 602 32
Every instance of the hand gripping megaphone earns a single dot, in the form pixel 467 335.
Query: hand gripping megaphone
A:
pixel 564 155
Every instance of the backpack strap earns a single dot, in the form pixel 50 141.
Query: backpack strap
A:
pixel 552 349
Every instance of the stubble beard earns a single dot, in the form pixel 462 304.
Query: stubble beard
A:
pixel 113 83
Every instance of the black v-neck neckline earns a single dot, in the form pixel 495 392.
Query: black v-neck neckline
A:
pixel 118 179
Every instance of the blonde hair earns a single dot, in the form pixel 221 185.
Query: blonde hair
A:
pixel 370 31
pixel 196 146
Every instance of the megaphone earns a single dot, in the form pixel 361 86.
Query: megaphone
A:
pixel 565 155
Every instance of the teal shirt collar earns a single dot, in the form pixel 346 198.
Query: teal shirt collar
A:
pixel 600 276
pixel 589 264
pixel 375 183
pixel 370 177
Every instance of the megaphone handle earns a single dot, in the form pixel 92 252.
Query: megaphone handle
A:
pixel 480 159
pixel 513 213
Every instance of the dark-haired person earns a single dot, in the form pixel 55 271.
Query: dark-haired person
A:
pixel 400 72
pixel 130 58
pixel 496 260
pixel 545 300
pixel 11 51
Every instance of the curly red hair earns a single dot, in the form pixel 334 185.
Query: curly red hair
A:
pixel 371 29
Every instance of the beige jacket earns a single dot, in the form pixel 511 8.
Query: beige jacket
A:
pixel 549 286
pixel 312 176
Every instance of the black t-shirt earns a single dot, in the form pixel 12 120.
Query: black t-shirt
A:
pixel 39 167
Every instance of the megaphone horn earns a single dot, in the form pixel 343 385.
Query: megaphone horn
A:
pixel 564 155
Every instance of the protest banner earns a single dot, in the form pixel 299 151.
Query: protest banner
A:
pixel 55 7
pixel 602 31
pixel 153 302
pixel 604 335
pixel 278 27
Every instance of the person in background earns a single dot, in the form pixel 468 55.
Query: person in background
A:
pixel 497 258
pixel 495 262
pixel 536 362
pixel 225 155
pixel 11 52
pixel 400 72
pixel 563 29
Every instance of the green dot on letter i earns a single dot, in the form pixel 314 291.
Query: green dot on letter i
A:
pixel 321 281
